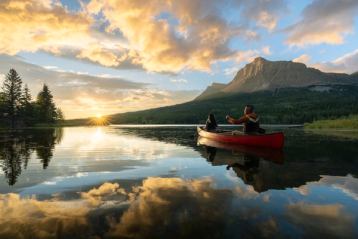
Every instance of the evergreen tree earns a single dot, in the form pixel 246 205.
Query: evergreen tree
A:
pixel 27 107
pixel 12 93
pixel 59 114
pixel 46 107
pixel 2 109
pixel 26 96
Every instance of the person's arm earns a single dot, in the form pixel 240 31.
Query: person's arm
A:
pixel 231 120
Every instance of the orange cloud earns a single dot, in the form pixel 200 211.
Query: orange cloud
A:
pixel 193 35
pixel 31 25
pixel 199 38
pixel 40 25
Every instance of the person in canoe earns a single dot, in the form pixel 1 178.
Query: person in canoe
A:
pixel 211 124
pixel 250 120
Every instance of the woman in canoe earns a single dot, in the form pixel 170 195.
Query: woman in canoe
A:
pixel 211 124
pixel 250 120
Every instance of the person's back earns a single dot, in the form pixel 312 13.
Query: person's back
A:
pixel 211 124
pixel 250 120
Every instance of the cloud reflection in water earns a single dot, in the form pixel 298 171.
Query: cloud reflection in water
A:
pixel 168 208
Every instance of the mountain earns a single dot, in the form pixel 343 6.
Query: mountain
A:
pixel 262 74
pixel 214 89
pixel 281 91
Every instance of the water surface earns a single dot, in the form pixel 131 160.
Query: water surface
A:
pixel 157 182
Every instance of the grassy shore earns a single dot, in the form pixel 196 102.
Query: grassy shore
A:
pixel 350 122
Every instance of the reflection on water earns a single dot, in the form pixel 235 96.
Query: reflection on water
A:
pixel 245 161
pixel 113 182
pixel 175 208
pixel 16 148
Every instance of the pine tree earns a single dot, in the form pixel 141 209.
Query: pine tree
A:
pixel 27 109
pixel 26 96
pixel 12 93
pixel 2 109
pixel 46 107
pixel 59 115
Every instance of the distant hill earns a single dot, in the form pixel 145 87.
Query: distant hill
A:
pixel 262 74
pixel 286 105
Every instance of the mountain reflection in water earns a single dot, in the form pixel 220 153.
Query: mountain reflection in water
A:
pixel 305 158
pixel 115 182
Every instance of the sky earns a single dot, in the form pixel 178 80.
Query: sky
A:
pixel 110 56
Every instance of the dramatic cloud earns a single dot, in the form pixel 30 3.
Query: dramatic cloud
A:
pixel 199 37
pixel 83 95
pixel 345 64
pixel 173 202
pixel 32 25
pixel 161 36
pixel 323 21
pixel 109 212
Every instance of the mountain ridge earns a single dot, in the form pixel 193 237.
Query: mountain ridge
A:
pixel 262 74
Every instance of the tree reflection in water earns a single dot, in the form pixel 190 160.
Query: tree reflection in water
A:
pixel 16 148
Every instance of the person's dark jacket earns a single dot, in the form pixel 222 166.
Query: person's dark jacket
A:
pixel 211 124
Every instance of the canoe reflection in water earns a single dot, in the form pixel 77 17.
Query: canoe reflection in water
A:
pixel 245 161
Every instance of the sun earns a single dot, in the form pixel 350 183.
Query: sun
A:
pixel 99 119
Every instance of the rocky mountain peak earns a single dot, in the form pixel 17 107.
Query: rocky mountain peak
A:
pixel 259 60
pixel 262 74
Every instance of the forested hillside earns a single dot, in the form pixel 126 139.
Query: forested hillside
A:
pixel 288 105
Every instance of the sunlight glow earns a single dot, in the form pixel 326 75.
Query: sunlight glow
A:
pixel 99 120
pixel 98 135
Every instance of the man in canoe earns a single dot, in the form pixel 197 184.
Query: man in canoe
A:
pixel 250 121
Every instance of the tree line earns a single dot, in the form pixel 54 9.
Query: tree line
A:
pixel 18 109
pixel 286 106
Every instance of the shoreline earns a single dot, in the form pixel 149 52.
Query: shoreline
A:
pixel 343 123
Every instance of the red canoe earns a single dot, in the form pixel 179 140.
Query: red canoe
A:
pixel 274 140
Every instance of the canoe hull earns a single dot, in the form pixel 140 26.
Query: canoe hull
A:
pixel 274 140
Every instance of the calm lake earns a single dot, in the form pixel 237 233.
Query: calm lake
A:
pixel 160 182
